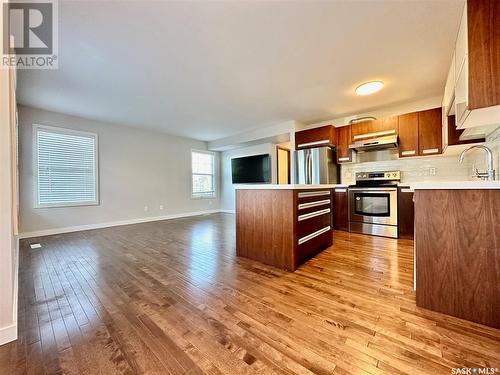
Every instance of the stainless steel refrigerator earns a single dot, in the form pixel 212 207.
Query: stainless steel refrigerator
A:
pixel 316 166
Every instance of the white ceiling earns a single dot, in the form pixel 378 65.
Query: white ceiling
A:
pixel 206 69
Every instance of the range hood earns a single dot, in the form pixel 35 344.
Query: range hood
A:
pixel 373 144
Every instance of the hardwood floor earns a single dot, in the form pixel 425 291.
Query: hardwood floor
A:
pixel 170 297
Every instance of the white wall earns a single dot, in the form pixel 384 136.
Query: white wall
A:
pixel 8 240
pixel 137 168
pixel 228 188
pixel 276 133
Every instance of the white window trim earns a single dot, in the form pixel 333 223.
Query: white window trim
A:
pixel 35 166
pixel 214 173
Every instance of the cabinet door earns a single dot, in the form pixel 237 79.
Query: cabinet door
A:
pixel 340 209
pixel 462 95
pixel 482 58
pixel 449 88
pixel 461 44
pixel 375 128
pixel 316 137
pixel 430 132
pixel 408 134
pixel 406 213
pixel 344 153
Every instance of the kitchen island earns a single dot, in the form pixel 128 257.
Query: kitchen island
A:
pixel 457 249
pixel 283 225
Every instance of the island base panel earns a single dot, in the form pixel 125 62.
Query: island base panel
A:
pixel 457 248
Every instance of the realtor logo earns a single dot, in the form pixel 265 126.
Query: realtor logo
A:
pixel 30 34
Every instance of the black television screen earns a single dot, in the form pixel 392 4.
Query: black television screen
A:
pixel 251 169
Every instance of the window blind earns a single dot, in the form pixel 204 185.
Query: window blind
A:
pixel 66 163
pixel 203 181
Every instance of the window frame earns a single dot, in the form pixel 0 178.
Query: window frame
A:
pixel 214 174
pixel 36 182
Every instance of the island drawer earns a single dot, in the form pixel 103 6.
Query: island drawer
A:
pixel 314 244
pixel 309 197
pixel 312 222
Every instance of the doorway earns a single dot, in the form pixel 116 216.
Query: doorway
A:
pixel 283 165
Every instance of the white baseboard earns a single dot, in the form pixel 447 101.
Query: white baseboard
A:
pixel 228 211
pixel 48 232
pixel 8 334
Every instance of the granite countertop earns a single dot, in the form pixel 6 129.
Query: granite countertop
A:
pixel 286 186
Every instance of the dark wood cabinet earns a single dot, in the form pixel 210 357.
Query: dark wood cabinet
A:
pixel 483 47
pixel 408 134
pixel 374 128
pixel 406 213
pixel 314 223
pixel 344 153
pixel 316 137
pixel 340 209
pixel 430 141
pixel 454 134
pixel 283 227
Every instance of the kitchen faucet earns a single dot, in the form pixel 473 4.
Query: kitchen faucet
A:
pixel 489 175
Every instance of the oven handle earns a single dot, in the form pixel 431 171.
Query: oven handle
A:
pixel 373 189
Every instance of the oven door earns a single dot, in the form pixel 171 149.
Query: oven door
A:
pixel 373 205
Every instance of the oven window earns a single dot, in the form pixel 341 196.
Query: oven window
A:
pixel 372 204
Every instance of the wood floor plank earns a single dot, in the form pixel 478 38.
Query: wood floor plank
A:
pixel 171 297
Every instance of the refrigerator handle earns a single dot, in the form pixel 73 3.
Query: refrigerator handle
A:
pixel 308 167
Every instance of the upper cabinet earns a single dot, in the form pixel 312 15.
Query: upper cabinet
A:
pixel 430 132
pixel 476 67
pixel 420 133
pixel 316 137
pixel 344 153
pixel 374 129
pixel 408 135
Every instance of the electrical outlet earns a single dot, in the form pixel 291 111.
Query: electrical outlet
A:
pixel 146 208
pixel 432 171
pixel 161 207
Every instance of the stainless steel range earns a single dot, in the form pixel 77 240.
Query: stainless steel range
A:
pixel 373 203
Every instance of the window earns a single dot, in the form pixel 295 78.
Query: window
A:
pixel 203 174
pixel 65 167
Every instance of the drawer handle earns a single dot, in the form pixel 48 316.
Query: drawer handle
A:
pixel 340 190
pixel 406 191
pixel 313 235
pixel 314 204
pixel 313 214
pixel 345 159
pixel 406 153
pixel 325 141
pixel 307 194
pixel 430 151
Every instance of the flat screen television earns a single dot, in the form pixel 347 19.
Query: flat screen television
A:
pixel 251 169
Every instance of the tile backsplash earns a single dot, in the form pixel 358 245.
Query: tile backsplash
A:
pixel 437 168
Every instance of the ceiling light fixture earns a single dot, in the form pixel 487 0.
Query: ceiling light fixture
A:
pixel 368 88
